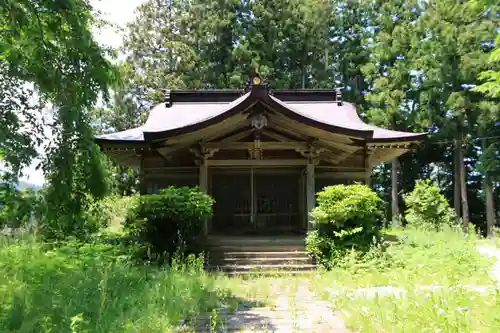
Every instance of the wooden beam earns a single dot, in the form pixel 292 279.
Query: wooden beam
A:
pixel 252 197
pixel 379 155
pixel 310 191
pixel 170 169
pixel 368 167
pixel 250 145
pixel 236 136
pixel 239 163
pixel 224 127
pixel 337 159
pixel 142 174
pixel 276 136
pixel 295 126
pixel 285 128
pixel 203 183
pixel 341 175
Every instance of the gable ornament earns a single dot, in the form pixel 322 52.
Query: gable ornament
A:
pixel 259 121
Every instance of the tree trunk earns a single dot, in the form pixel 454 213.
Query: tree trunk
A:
pixel 490 206
pixel 463 179
pixel 490 201
pixel 394 189
pixel 456 180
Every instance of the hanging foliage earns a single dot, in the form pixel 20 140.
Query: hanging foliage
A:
pixel 49 43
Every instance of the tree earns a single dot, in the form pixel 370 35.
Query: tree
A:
pixel 122 112
pixel 49 43
pixel 492 76
pixel 158 50
pixel 488 163
pixel 393 95
pixel 19 130
pixel 454 39
pixel 349 48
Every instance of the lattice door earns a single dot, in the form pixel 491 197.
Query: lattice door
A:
pixel 276 203
pixel 232 208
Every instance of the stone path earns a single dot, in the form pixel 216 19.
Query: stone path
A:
pixel 492 252
pixel 296 309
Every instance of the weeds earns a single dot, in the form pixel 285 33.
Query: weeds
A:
pixel 94 288
pixel 412 260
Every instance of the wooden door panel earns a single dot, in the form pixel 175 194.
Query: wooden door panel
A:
pixel 276 203
pixel 232 208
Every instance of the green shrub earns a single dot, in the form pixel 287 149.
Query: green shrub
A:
pixel 347 216
pixel 112 212
pixel 17 207
pixel 427 207
pixel 170 221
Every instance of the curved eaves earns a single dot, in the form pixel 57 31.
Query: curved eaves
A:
pixel 328 116
pixel 183 118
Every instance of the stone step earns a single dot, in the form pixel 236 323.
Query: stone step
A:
pixel 257 254
pixel 261 261
pixel 262 268
pixel 212 241
pixel 256 248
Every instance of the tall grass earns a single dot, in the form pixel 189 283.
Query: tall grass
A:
pixel 94 288
pixel 444 310
pixel 414 257
pixel 464 297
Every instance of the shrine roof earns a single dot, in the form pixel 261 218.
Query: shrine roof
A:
pixel 187 111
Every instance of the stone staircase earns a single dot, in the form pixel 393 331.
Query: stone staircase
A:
pixel 261 255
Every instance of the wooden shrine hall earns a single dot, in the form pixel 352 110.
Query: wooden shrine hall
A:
pixel 261 153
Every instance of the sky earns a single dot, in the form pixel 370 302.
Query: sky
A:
pixel 117 12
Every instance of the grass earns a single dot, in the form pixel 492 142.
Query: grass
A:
pixel 414 260
pixel 451 310
pixel 413 257
pixel 96 288
pixel 92 288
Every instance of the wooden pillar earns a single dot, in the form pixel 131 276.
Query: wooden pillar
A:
pixel 301 201
pixel 252 198
pixel 310 191
pixel 368 168
pixel 142 175
pixel 203 183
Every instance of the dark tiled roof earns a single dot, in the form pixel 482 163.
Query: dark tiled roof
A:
pixel 189 108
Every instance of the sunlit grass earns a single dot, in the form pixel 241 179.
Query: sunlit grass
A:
pixel 414 257
pixel 412 261
pixel 91 286
pixel 451 310
pixel 96 288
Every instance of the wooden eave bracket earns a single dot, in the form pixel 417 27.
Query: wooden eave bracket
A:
pixel 312 152
pixel 393 145
pixel 203 153
pixel 126 149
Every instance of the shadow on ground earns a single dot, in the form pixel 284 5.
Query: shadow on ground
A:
pixel 235 314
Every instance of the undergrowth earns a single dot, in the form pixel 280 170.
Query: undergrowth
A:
pixel 95 288
pixel 413 256
pixel 457 309
pixel 435 282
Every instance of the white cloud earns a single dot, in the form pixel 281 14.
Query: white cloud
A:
pixel 116 12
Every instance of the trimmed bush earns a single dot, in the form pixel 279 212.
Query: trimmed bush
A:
pixel 347 216
pixel 427 208
pixel 170 221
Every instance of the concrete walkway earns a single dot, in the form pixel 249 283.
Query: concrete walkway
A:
pixel 492 252
pixel 296 309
